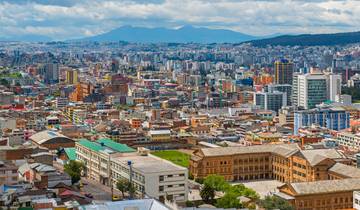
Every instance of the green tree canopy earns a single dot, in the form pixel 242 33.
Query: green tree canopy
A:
pixel 229 200
pixel 217 182
pixel 274 202
pixel 207 193
pixel 125 186
pixel 74 168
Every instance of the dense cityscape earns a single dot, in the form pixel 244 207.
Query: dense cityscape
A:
pixel 98 125
pixel 179 105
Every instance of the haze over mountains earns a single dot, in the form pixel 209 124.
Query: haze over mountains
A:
pixel 188 34
pixel 182 35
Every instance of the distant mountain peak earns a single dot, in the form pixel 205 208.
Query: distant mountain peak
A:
pixel 184 34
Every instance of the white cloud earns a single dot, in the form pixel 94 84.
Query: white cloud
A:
pixel 69 19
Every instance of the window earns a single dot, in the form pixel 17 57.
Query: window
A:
pixel 161 178
pixel 169 186
pixel 161 188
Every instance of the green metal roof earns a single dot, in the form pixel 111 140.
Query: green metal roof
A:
pixel 115 146
pixel 108 144
pixel 91 145
pixel 71 153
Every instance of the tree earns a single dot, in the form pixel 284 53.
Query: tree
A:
pixel 241 190
pixel 123 185
pixel 229 200
pixel 217 182
pixel 274 202
pixel 74 168
pixel 207 193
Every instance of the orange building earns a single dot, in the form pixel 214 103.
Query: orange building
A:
pixel 263 79
pixel 282 162
pixel 135 123
pixel 81 91
pixel 320 195
pixel 77 95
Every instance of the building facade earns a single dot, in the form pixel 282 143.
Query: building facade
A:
pixel 283 71
pixel 350 140
pixel 151 176
pixel 327 117
pixel 96 157
pixel 326 195
pixel 284 162
pixel 270 100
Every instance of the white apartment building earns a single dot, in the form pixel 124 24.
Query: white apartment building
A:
pixel 348 139
pixel 96 157
pixel 152 176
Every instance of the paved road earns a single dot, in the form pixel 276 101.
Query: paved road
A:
pixel 99 191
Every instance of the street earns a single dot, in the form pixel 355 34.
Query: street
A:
pixel 99 191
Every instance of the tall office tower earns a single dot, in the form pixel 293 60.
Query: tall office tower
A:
pixel 71 76
pixel 285 88
pixel 270 100
pixel 115 65
pixel 284 70
pixel 315 88
pixel 51 73
pixel 312 90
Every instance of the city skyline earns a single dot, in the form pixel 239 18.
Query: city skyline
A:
pixel 63 20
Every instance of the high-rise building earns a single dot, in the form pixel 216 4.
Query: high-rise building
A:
pixel 51 73
pixel 71 76
pixel 270 100
pixel 285 88
pixel 315 88
pixel 312 90
pixel 327 117
pixel 283 71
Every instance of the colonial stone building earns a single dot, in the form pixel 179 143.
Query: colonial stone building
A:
pixel 320 195
pixel 285 163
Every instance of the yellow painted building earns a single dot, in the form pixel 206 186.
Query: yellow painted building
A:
pixel 71 76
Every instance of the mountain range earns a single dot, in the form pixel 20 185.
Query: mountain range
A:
pixel 310 39
pixel 190 34
pixel 184 34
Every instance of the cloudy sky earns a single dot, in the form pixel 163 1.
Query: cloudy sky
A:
pixel 64 19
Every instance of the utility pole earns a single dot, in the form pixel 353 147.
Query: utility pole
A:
pixel 130 178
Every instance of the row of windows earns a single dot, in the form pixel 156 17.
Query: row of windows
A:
pixel 239 161
pixel 299 173
pixel 299 165
pixel 161 178
pixel 336 200
pixel 161 188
